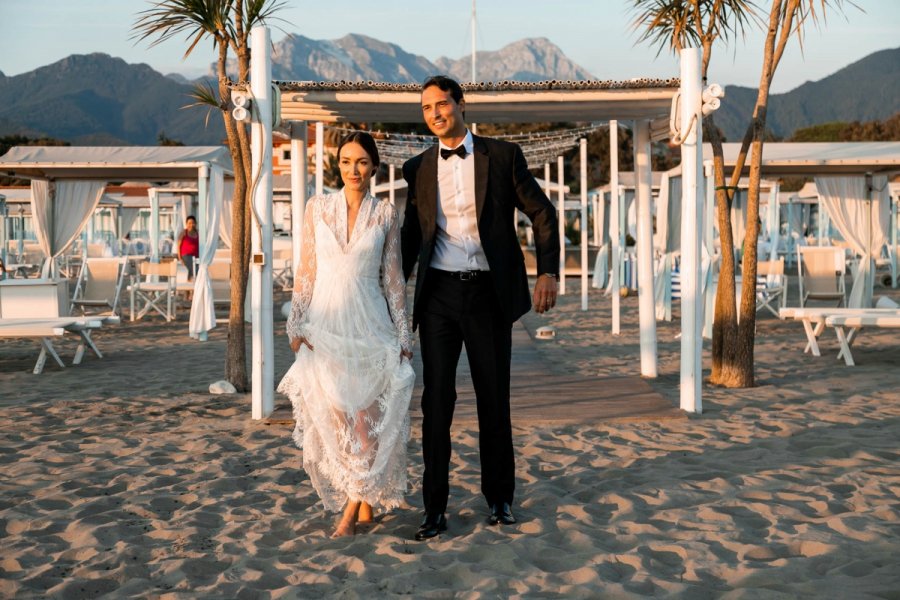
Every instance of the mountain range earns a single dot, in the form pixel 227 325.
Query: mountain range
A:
pixel 96 99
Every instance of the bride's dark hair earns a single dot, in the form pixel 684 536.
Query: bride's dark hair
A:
pixel 363 139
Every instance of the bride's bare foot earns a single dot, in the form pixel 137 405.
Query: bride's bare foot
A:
pixel 365 513
pixel 344 529
pixel 347 526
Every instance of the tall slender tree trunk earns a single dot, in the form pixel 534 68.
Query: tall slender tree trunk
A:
pixel 725 314
pixel 235 351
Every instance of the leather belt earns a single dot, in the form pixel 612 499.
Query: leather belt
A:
pixel 463 275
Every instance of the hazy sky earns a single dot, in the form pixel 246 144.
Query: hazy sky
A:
pixel 596 34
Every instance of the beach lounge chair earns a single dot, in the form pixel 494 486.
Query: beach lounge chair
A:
pixel 99 286
pixel 821 274
pixel 814 320
pixel 771 286
pixel 855 323
pixel 155 289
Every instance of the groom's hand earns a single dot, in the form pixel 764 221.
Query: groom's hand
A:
pixel 545 290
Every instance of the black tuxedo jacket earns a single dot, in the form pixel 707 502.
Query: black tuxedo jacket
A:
pixel 502 184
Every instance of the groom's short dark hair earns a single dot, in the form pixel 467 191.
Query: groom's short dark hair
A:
pixel 445 84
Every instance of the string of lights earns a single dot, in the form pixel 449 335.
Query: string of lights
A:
pixel 539 147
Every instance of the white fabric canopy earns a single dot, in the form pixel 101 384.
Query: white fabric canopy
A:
pixel 60 211
pixel 863 224
pixel 203 312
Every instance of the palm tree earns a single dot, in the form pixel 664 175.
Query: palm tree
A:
pixel 227 23
pixel 677 24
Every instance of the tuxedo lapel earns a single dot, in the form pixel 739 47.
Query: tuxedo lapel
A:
pixel 482 166
pixel 426 192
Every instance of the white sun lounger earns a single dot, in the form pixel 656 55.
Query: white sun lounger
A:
pixel 855 323
pixel 814 320
pixel 46 329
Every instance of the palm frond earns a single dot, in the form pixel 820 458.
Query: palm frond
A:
pixel 205 95
pixel 195 19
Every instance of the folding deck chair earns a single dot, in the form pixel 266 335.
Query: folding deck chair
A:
pixel 771 286
pixel 153 293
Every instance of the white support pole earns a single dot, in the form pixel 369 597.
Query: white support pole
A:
pixel 584 225
pixel 202 193
pixel 320 158
pixel 392 177
pixel 615 232
pixel 646 299
pixel 547 180
pixel 561 211
pixel 299 187
pixel 893 252
pixel 691 225
pixel 154 225
pixel 263 371
pixel 708 288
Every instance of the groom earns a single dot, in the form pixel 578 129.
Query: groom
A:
pixel 470 288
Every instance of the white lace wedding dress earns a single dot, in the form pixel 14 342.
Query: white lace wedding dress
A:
pixel 351 393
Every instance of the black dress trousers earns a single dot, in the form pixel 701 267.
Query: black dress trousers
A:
pixel 456 312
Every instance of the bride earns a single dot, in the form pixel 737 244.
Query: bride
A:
pixel 351 382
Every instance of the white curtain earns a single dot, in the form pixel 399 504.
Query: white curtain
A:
pixel 203 312
pixel 225 218
pixel 738 218
pixel 863 224
pixel 601 262
pixel 668 242
pixel 60 212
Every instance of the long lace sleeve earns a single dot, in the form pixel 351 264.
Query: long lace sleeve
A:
pixel 305 275
pixel 394 282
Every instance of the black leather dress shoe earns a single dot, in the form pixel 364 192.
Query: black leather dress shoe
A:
pixel 501 513
pixel 431 526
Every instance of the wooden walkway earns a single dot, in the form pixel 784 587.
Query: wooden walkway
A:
pixel 541 394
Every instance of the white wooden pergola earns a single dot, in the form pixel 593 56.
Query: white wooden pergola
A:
pixel 648 103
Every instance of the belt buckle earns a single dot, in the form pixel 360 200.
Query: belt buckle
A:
pixel 468 275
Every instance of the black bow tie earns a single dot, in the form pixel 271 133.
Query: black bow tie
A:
pixel 460 151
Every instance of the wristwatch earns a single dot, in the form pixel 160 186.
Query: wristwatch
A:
pixel 553 275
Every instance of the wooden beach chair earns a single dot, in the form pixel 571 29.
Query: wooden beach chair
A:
pixel 814 320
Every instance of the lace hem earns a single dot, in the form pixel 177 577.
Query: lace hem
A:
pixel 339 477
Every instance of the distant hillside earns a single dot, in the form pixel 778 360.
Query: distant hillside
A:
pixel 96 99
pixel 535 59
pixel 866 90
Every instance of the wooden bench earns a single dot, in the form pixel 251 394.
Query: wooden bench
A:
pixel 855 323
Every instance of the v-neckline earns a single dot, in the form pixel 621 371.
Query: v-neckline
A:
pixel 347 233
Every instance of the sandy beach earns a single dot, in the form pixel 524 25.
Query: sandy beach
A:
pixel 124 478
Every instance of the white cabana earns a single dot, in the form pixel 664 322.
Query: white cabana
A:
pixel 855 161
pixel 62 164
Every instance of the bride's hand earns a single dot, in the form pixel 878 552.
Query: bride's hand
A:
pixel 406 354
pixel 297 342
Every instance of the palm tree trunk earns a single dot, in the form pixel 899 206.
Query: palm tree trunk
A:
pixel 725 315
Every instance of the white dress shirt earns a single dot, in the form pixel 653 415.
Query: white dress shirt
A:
pixel 457 245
